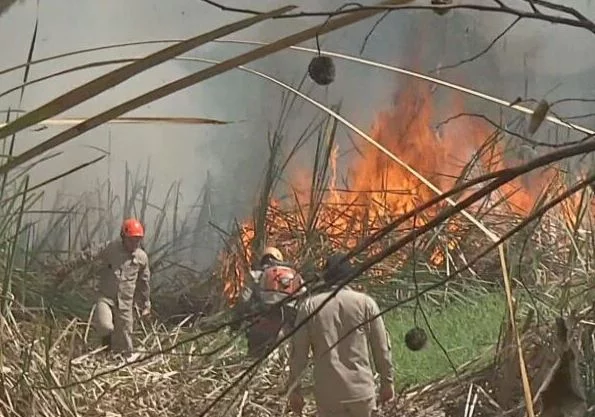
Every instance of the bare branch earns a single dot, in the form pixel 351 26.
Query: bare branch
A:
pixel 532 142
pixel 361 51
pixel 482 52
pixel 561 8
pixel 574 18
pixel 533 6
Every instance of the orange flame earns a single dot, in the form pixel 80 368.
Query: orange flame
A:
pixel 380 190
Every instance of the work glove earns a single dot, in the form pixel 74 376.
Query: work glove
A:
pixel 296 402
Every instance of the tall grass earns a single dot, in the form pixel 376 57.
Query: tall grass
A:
pixel 48 366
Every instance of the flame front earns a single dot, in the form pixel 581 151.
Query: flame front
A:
pixel 379 190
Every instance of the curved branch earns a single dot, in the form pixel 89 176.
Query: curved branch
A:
pixel 480 53
pixel 457 87
pixel 577 19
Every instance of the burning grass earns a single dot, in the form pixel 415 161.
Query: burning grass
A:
pixel 183 379
pixel 49 368
pixel 312 214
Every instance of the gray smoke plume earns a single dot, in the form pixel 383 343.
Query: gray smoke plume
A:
pixel 5 5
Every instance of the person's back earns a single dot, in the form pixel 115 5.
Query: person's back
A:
pixel 342 371
pixel 340 328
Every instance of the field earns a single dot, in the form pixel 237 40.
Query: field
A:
pixel 487 250
pixel 464 330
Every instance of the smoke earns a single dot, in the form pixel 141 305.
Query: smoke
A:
pixel 235 155
pixel 174 151
pixel 5 5
pixel 183 153
pixel 540 61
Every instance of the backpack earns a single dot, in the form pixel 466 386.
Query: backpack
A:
pixel 278 282
pixel 275 284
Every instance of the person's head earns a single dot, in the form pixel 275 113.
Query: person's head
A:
pixel 132 233
pixel 336 268
pixel 270 256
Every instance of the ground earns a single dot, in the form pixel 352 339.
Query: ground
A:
pixel 465 329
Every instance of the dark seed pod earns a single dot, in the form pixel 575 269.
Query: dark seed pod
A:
pixel 416 339
pixel 322 70
pixel 441 12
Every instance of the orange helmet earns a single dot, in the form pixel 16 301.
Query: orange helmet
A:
pixel 132 228
pixel 273 252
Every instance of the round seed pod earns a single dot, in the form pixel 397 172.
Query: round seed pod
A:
pixel 416 339
pixel 322 70
pixel 441 12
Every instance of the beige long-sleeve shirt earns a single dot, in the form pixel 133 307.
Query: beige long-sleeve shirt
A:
pixel 122 274
pixel 343 373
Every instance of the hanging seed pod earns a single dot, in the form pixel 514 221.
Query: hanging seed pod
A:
pixel 440 11
pixel 322 70
pixel 416 339
pixel 538 116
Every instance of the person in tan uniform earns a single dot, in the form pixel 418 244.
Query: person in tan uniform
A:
pixel 343 376
pixel 124 276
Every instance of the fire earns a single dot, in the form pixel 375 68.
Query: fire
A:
pixel 380 190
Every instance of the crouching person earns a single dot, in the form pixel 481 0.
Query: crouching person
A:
pixel 124 275
pixel 270 294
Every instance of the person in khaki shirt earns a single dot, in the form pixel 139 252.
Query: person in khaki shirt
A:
pixel 343 376
pixel 124 276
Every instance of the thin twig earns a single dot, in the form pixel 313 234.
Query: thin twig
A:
pixel 577 20
pixel 479 54
pixel 365 42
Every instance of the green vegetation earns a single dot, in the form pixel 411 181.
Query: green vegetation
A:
pixel 465 330
pixel 46 365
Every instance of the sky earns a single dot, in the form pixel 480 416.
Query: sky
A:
pixel 235 155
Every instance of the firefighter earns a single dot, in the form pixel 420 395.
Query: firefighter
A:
pixel 265 295
pixel 123 280
pixel 343 375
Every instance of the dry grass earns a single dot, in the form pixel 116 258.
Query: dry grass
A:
pixel 49 367
pixel 38 359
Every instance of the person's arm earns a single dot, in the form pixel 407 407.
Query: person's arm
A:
pixel 380 344
pixel 143 286
pixel 85 256
pixel 300 347
pixel 242 307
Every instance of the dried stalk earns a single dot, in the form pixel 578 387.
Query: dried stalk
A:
pixel 491 235
pixel 135 120
pixel 117 76
pixel 414 74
